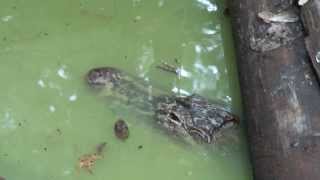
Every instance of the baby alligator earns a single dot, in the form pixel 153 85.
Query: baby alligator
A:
pixel 184 116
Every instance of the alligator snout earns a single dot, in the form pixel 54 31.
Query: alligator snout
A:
pixel 103 76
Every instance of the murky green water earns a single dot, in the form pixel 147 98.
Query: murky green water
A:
pixel 49 117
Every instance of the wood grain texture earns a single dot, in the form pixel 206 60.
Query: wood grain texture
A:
pixel 281 96
pixel 310 14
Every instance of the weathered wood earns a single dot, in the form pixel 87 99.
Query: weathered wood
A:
pixel 310 13
pixel 280 92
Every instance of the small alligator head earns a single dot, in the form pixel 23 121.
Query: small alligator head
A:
pixel 103 76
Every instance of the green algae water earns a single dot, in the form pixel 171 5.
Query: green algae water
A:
pixel 49 117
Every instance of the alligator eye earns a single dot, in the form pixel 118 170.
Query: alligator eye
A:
pixel 174 117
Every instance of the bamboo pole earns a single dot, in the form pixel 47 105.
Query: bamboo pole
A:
pixel 310 13
pixel 279 88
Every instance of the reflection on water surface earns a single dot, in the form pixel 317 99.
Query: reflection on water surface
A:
pixel 49 118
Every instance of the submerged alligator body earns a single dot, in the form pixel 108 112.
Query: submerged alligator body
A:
pixel 184 116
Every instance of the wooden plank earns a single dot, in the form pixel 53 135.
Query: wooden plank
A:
pixel 310 13
pixel 280 91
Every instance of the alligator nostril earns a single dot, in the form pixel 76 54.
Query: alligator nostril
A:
pixel 174 117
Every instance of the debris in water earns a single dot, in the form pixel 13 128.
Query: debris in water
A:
pixel 140 147
pixel 100 148
pixel 59 131
pixel 2 178
pixel 169 68
pixel 87 161
pixel 121 129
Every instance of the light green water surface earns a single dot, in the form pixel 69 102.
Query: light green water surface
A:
pixel 49 117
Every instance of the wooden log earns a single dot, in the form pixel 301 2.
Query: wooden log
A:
pixel 280 91
pixel 310 13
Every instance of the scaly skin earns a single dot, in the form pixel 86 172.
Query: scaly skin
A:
pixel 191 116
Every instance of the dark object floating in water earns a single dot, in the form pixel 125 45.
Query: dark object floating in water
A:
pixel 121 129
pixel 168 68
pixel 100 147
pixel 185 116
pixel 140 147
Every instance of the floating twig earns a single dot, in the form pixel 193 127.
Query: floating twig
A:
pixel 170 68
